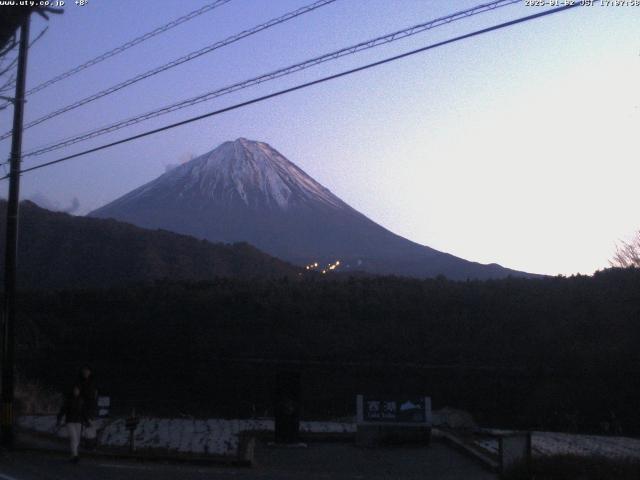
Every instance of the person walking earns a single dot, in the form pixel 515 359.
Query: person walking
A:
pixel 89 394
pixel 74 413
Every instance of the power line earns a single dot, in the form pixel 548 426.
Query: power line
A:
pixel 123 47
pixel 388 38
pixel 178 61
pixel 305 85
pixel 129 44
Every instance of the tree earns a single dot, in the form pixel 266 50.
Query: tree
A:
pixel 10 20
pixel 627 253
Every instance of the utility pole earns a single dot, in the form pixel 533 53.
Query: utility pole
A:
pixel 11 245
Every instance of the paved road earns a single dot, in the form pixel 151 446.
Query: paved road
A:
pixel 318 461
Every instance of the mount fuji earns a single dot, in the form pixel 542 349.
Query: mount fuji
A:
pixel 247 191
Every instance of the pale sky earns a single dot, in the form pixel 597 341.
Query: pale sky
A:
pixel 518 147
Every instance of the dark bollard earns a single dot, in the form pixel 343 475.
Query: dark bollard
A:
pixel 131 424
pixel 287 408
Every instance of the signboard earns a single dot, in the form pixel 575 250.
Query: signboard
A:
pixel 396 410
pixel 104 404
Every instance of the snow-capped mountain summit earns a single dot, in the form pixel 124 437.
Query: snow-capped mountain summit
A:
pixel 247 191
pixel 240 172
pixel 252 173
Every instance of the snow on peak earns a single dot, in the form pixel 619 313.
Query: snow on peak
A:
pixel 252 171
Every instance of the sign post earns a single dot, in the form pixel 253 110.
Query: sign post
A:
pixel 401 419
pixel 131 424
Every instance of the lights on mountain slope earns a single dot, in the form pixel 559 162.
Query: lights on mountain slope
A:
pixel 330 267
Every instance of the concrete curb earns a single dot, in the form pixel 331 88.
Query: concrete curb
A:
pixel 473 452
pixel 54 446
pixel 245 456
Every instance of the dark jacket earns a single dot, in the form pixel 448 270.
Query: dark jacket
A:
pixel 73 410
pixel 89 394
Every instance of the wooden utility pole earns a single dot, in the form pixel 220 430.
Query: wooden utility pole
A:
pixel 11 245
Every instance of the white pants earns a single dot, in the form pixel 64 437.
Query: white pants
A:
pixel 75 431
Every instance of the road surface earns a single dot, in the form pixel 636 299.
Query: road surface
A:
pixel 318 461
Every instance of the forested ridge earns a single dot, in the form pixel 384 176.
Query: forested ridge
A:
pixel 57 250
pixel 541 353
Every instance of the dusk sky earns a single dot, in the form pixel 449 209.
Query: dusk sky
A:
pixel 518 147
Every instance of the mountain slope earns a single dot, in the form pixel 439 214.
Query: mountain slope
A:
pixel 57 250
pixel 247 191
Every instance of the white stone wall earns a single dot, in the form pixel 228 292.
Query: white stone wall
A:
pixel 212 436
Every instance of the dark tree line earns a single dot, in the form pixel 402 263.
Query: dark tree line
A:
pixel 539 353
